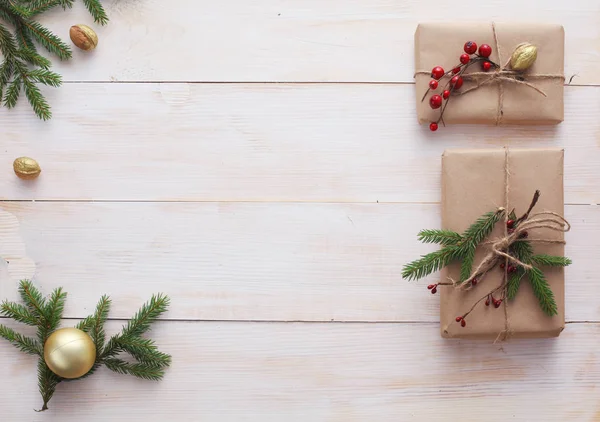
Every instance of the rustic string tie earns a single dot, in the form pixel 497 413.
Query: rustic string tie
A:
pixel 501 75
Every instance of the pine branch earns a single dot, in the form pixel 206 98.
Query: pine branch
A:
pixel 522 250
pixel 33 299
pixel 45 37
pixel 441 237
pixel 97 11
pixel 139 370
pixel 431 262
pixel 34 58
pixel 514 282
pixel 470 240
pixel 551 260
pixel 18 312
pixel 481 229
pixel 55 309
pixel 145 351
pixel 148 313
pixel 542 291
pixel 97 330
pixel 24 344
pixel 47 382
pixel 467 265
pixel 36 99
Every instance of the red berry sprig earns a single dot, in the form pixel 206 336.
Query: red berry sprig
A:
pixel 470 56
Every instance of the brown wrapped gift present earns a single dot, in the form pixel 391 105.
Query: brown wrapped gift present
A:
pixel 499 102
pixel 475 182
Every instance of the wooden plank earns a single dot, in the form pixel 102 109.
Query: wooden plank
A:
pixel 254 261
pixel 296 40
pixel 356 143
pixel 328 372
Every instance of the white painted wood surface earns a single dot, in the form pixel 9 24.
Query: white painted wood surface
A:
pixel 278 216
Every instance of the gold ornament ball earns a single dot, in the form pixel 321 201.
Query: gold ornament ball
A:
pixel 83 37
pixel 69 353
pixel 26 168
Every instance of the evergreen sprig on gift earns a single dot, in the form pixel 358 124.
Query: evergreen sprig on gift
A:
pixel 127 352
pixel 521 262
pixel 23 68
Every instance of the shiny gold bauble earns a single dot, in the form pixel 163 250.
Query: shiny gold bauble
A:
pixel 523 57
pixel 83 37
pixel 69 353
pixel 26 168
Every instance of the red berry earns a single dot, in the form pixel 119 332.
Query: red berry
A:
pixel 459 319
pixel 456 70
pixel 437 72
pixel 503 265
pixel 523 235
pixel 431 286
pixel 433 84
pixel 486 66
pixel 464 58
pixel 434 291
pixel 487 302
pixel 474 282
pixel 435 101
pixel 511 231
pixel 497 303
pixel 463 323
pixel 485 50
pixel 446 94
pixel 470 47
pixel 510 224
pixel 456 82
pixel 511 269
pixel 433 126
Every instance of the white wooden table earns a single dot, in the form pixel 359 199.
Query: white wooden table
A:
pixel 260 162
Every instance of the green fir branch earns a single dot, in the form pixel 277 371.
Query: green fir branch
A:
pixel 18 312
pixel 440 237
pixel 97 11
pixel 467 264
pixel 514 282
pixel 551 260
pixel 148 313
pixel 55 309
pixel 47 382
pixel 139 370
pixel 18 49
pixel 24 344
pixel 471 238
pixel 97 330
pixel 33 299
pixel 542 291
pixel 481 229
pixel 144 351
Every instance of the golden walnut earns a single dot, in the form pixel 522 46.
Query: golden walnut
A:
pixel 26 168
pixel 523 57
pixel 83 37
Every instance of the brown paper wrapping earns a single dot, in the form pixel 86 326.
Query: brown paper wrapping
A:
pixel 441 44
pixel 473 183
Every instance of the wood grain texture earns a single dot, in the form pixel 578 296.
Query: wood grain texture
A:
pixel 297 372
pixel 297 40
pixel 332 143
pixel 255 261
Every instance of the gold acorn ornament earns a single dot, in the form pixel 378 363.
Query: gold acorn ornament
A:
pixel 69 353
pixel 523 57
pixel 26 168
pixel 83 37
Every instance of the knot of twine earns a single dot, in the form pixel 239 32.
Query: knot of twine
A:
pixel 499 248
pixel 499 75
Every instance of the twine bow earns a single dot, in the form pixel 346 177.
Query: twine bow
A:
pixel 499 247
pixel 499 76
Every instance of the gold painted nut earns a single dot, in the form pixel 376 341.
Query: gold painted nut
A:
pixel 523 57
pixel 83 37
pixel 26 168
